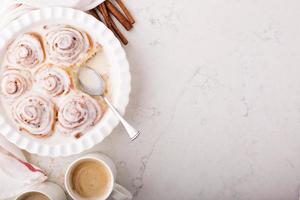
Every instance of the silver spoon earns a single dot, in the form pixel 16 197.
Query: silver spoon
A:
pixel 93 84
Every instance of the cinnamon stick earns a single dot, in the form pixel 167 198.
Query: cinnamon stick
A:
pixel 118 33
pixel 105 15
pixel 118 15
pixel 111 24
pixel 126 11
pixel 94 14
pixel 100 16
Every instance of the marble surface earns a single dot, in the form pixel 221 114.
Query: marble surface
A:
pixel 216 93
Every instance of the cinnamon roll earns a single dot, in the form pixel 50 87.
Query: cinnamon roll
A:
pixel 77 113
pixel 26 51
pixel 67 46
pixel 34 115
pixel 14 83
pixel 53 80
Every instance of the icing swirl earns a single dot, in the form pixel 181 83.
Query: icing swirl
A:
pixel 26 51
pixel 14 83
pixel 34 115
pixel 77 113
pixel 66 45
pixel 53 80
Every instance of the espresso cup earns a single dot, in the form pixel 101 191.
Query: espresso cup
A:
pixel 44 191
pixel 92 176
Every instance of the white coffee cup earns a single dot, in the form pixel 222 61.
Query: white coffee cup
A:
pixel 115 191
pixel 51 190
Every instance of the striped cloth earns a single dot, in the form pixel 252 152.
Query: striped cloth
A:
pixel 16 174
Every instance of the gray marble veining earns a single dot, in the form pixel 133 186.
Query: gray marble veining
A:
pixel 216 93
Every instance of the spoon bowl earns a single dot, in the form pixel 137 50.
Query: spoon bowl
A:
pixel 92 83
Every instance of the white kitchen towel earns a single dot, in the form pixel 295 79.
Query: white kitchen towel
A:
pixel 12 9
pixel 16 174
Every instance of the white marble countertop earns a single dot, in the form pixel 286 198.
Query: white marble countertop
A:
pixel 216 93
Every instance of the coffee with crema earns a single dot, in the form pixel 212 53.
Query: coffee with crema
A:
pixel 90 179
pixel 33 196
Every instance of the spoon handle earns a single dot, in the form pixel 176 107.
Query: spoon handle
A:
pixel 132 132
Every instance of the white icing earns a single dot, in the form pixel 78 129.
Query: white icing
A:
pixel 91 81
pixel 53 80
pixel 34 114
pixel 66 46
pixel 26 51
pixel 14 83
pixel 99 63
pixel 77 113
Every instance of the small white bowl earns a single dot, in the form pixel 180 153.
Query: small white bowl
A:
pixel 119 76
